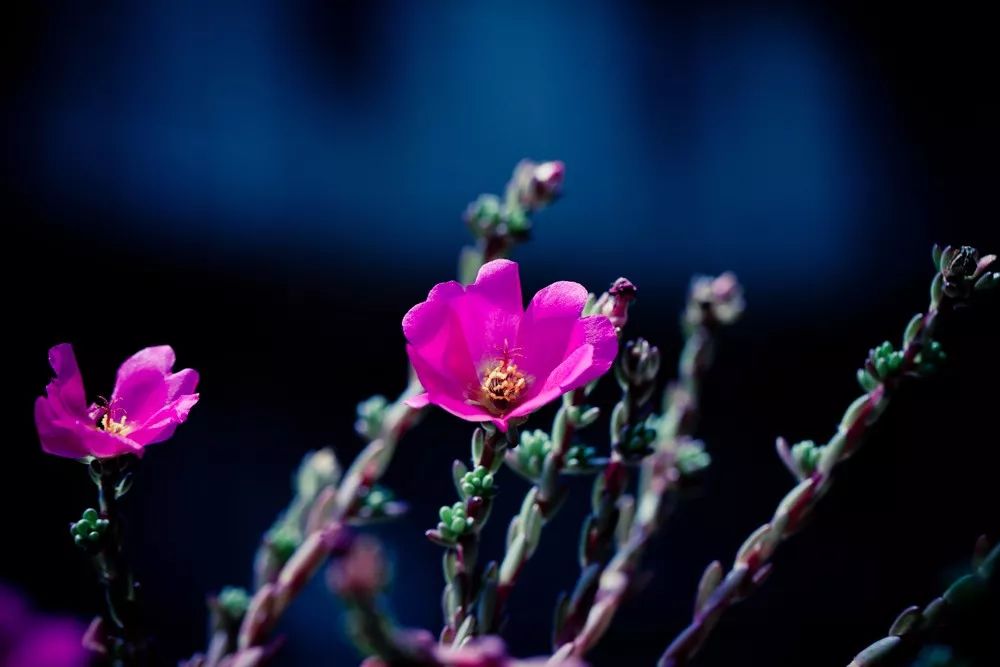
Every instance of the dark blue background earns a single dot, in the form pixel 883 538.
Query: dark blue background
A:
pixel 269 186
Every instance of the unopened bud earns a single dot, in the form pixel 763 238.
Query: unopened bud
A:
pixel 615 302
pixel 361 573
pixel 716 300
pixel 538 184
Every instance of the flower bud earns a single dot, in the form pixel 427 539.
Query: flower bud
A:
pixel 806 456
pixel 229 607
pixel 371 414
pixel 318 470
pixel 615 302
pixel 361 573
pixel 90 531
pixel 531 452
pixel 537 184
pixel 454 523
pixel 478 482
pixel 640 362
pixel 692 457
pixel 716 300
pixel 962 270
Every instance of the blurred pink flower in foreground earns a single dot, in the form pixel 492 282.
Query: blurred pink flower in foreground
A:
pixel 482 356
pixel 148 403
pixel 32 640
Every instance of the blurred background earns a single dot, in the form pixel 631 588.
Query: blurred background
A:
pixel 268 187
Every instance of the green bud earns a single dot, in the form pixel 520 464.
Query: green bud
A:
pixel 479 482
pixel 806 456
pixel 371 414
pixel 580 457
pixel 234 602
pixel 534 446
pixel 283 541
pixel 517 221
pixel 692 457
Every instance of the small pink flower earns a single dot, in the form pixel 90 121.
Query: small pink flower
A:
pixel 148 403
pixel 482 356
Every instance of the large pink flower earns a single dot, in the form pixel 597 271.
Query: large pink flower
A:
pixel 482 356
pixel 148 403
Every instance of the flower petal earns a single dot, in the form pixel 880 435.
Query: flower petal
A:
pixel 145 384
pixel 64 435
pixel 162 424
pixel 66 389
pixel 499 282
pixel 419 401
pixel 595 346
pixel 445 391
pixel 546 334
pixel 491 311
pixel 435 333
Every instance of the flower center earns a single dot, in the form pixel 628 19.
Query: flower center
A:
pixel 117 427
pixel 502 385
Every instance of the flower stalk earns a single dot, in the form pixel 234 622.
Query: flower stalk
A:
pixel 542 457
pixel 915 626
pixel 500 223
pixel 100 533
pixel 314 527
pixel 960 273
pixel 469 594
pixel 612 510
pixel 583 618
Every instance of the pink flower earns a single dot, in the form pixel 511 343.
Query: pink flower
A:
pixel 148 403
pixel 482 356
pixel 30 639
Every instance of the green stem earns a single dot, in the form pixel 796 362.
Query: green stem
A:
pixel 129 641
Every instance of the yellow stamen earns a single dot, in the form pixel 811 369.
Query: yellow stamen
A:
pixel 117 427
pixel 502 385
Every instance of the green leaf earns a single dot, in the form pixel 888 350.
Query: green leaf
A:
pixel 912 329
pixel 478 444
pixel 853 412
pixel 513 559
pixel 905 622
pixel 709 582
pixel 867 381
pixel 937 290
pixel 458 472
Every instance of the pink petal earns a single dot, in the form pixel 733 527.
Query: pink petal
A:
pixel 436 334
pixel 66 390
pixel 491 311
pixel 56 438
pixel 64 435
pixel 145 384
pixel 457 330
pixel 599 331
pixel 422 321
pixel 445 391
pixel 552 387
pixel 591 359
pixel 546 334
pixel 182 383
pixel 419 401
pixel 499 283
pixel 162 424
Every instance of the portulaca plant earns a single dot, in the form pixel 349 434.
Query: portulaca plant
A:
pixel 477 352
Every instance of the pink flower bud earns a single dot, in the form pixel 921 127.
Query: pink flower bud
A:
pixel 538 184
pixel 361 573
